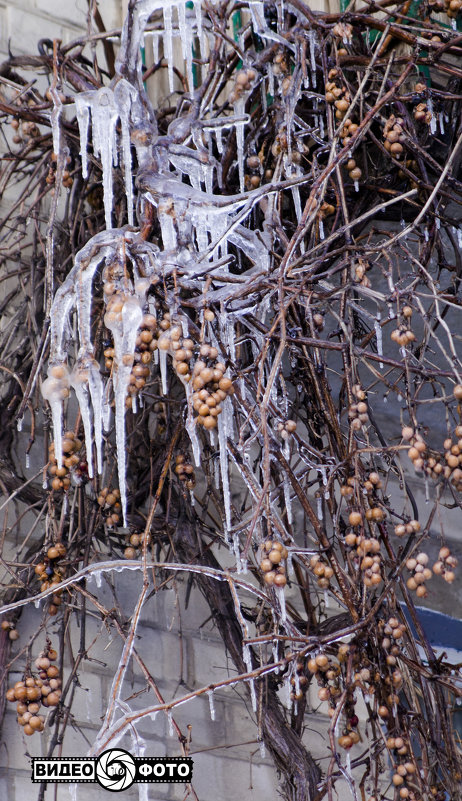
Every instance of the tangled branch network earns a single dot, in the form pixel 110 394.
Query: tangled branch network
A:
pixel 249 277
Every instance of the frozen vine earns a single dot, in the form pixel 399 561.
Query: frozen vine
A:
pixel 246 320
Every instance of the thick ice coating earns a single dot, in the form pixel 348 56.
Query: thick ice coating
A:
pixel 177 175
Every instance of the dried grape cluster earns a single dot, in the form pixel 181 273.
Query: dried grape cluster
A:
pixel 274 554
pixel 50 574
pixel 67 179
pixel 287 428
pixel 394 136
pixel 420 573
pixel 10 627
pixel 357 413
pixel 135 543
pixel 109 501
pixel 435 464
pixel 404 335
pixel 337 94
pixel 242 83
pixel 210 387
pixel 445 565
pixel 185 471
pixel 32 692
pixel 322 570
pixel 73 466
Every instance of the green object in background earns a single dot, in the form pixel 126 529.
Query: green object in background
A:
pixel 237 25
pixel 195 51
pixel 412 13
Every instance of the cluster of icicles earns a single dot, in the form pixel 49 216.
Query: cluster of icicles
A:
pixel 188 214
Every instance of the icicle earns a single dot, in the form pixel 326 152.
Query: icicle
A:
pixel 441 121
pixel 298 205
pixel 459 237
pixel 191 426
pixel 453 23
pixel 312 41
pixel 143 792
pixel 223 448
pixel 253 695
pixel 83 119
pixel 97 575
pixel 237 552
pixel 326 599
pixel 73 791
pixel 104 119
pixel 155 47
pixel 289 563
pixel 426 234
pixel 198 13
pixel 348 763
pixel 432 118
pixel 261 745
pixel 19 424
pixel 286 484
pixel 438 222
pixel 163 370
pixel 181 10
pixel 247 657
pixel 275 651
pixel 282 602
pixel 124 96
pixel 55 117
pixel 170 723
pixel 356 185
pixel 80 383
pixel 219 138
pixel 297 683
pixel 37 603
pixel 186 27
pixel 378 334
pixel 288 500
pixel 211 704
pixel 257 10
pixel 288 692
pixel 270 79
pixel 321 229
pixel 27 461
pixel 55 390
pixel 96 393
pixel 106 412
pixel 124 332
pixel 168 43
pixel 319 509
pixel 239 111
